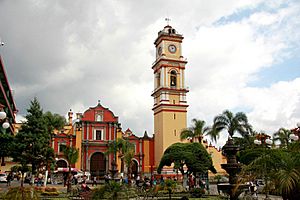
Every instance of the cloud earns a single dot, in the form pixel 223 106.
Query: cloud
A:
pixel 225 58
pixel 71 53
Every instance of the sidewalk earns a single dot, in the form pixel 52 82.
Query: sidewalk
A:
pixel 272 197
pixel 214 191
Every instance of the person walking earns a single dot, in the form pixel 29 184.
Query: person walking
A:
pixel 94 181
pixel 8 179
pixel 137 180
pixel 65 179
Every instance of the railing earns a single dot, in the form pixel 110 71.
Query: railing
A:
pixel 170 87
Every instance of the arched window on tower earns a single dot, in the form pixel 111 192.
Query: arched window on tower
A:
pixel 173 79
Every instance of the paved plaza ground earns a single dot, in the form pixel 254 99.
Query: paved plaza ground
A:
pixel 213 191
pixel 60 187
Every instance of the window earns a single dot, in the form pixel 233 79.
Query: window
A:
pixel 175 132
pixel 62 147
pixel 99 117
pixel 98 135
pixel 173 79
pixel 174 115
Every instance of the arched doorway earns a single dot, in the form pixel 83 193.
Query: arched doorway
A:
pixel 97 165
pixel 134 168
pixel 61 164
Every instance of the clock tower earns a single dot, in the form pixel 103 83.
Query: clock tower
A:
pixel 170 106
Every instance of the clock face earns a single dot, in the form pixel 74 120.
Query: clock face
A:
pixel 159 51
pixel 172 48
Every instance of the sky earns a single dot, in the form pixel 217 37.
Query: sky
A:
pixel 243 55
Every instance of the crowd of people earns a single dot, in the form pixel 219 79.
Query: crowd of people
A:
pixel 146 182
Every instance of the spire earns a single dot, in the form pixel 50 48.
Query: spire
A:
pixel 70 115
pixel 145 135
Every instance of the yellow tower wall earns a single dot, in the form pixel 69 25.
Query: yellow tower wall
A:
pixel 78 146
pixel 147 167
pixel 168 125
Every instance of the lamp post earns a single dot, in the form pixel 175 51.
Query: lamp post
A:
pixel 265 141
pixel 294 137
pixel 295 132
pixel 6 124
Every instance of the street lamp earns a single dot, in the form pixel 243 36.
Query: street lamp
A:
pixel 294 137
pixel 3 115
pixel 265 141
pixel 295 133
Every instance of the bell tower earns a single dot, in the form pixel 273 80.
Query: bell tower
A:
pixel 170 106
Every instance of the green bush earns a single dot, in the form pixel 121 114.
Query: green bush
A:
pixel 50 189
pixel 113 190
pixel 21 193
pixel 50 193
pixel 197 192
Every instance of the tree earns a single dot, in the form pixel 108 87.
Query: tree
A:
pixel 71 155
pixel 53 121
pixel 125 150
pixel 6 141
pixel 195 132
pixel 283 136
pixel 280 166
pixel 192 155
pixel 128 156
pixel 232 123
pixel 32 141
pixel 22 169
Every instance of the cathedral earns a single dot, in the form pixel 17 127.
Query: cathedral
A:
pixel 93 130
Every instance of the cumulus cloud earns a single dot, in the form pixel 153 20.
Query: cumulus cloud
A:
pixel 71 53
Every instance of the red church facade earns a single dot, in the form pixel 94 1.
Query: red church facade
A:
pixel 99 127
pixel 91 132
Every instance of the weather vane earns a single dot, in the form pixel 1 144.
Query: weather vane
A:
pixel 167 20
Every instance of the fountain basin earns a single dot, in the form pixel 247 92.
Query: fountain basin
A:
pixel 233 190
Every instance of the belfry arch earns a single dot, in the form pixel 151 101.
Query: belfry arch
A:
pixel 173 78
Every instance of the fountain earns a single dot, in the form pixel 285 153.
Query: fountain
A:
pixel 232 168
pixel 114 171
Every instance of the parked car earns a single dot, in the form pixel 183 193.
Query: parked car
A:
pixel 3 178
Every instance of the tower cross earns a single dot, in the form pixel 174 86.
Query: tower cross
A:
pixel 167 20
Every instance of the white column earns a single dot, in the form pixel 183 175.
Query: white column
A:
pixel 162 77
pixel 82 132
pixel 182 78
pixel 140 157
pixel 87 131
pixel 109 133
pixel 87 158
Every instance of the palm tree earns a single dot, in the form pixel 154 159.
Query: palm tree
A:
pixel 279 166
pixel 71 155
pixel 195 132
pixel 125 150
pixel 213 134
pixel 232 123
pixel 128 156
pixel 283 136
